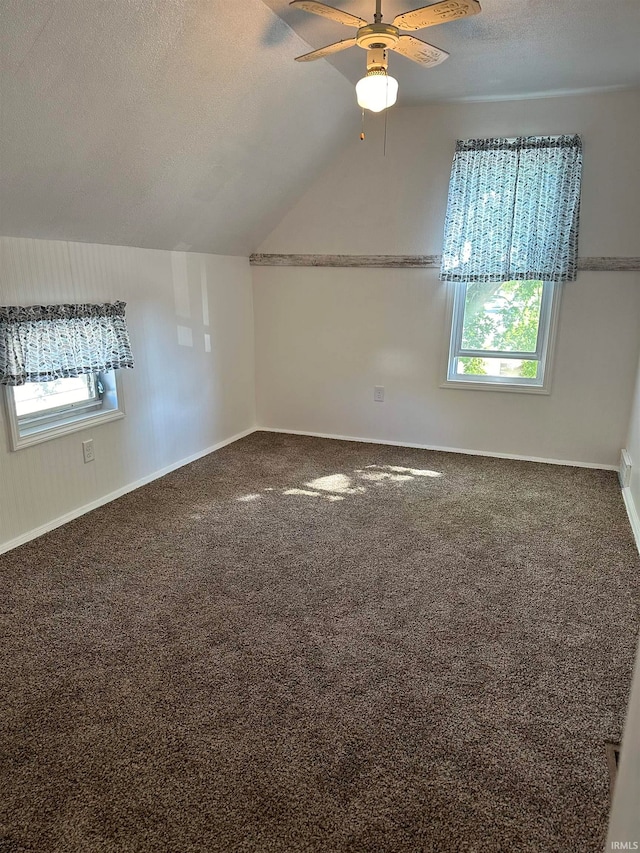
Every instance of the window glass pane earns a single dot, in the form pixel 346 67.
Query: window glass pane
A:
pixel 502 316
pixel 42 396
pixel 513 367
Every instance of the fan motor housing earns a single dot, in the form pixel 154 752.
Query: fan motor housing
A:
pixel 377 35
pixel 377 59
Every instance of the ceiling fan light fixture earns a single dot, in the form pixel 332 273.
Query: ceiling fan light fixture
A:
pixel 377 91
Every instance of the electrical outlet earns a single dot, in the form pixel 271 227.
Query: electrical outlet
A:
pixel 378 393
pixel 88 450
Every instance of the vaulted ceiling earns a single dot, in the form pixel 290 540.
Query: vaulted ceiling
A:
pixel 158 123
pixel 186 123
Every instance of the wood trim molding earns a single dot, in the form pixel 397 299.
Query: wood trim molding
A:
pixel 416 261
pixel 609 264
pixel 403 261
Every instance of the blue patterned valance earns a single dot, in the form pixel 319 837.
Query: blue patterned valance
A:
pixel 46 342
pixel 513 210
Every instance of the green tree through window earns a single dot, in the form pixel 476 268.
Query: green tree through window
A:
pixel 501 317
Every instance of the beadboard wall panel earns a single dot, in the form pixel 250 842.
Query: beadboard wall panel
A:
pixel 191 322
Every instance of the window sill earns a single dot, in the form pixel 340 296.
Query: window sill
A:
pixel 511 387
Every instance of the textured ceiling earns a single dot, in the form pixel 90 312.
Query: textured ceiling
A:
pixel 159 123
pixel 186 123
pixel 513 49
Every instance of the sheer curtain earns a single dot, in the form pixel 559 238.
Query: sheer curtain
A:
pixel 513 210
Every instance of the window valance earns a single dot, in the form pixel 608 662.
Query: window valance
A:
pixel 41 343
pixel 513 210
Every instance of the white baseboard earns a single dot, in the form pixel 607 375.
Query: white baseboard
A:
pixel 105 499
pixel 573 464
pixel 130 487
pixel 632 512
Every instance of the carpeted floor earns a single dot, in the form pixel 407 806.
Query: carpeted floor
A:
pixel 298 644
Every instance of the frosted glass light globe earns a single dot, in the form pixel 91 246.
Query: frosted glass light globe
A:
pixel 377 91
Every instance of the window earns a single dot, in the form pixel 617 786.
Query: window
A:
pixel 46 401
pixel 39 411
pixel 511 239
pixel 501 334
pixel 59 365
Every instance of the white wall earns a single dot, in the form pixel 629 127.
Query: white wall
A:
pixel 633 447
pixel 180 399
pixel 624 820
pixel 325 337
pixel 624 823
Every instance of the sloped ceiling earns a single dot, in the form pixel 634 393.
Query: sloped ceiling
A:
pixel 187 124
pixel 512 49
pixel 159 123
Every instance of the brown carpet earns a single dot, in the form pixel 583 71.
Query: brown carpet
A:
pixel 298 644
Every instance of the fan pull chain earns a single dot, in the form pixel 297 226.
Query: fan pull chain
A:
pixel 362 135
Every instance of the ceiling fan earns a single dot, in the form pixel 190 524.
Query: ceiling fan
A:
pixel 378 90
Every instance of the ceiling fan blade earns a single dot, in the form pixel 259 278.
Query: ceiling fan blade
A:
pixel 419 51
pixel 329 12
pixel 438 13
pixel 325 51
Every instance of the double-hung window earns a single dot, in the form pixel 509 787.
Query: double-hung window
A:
pixel 510 240
pixel 501 333
pixel 59 365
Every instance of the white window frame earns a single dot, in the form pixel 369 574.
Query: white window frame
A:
pixel 545 345
pixel 34 429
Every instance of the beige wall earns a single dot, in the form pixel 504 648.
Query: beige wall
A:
pixel 180 399
pixel 325 337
